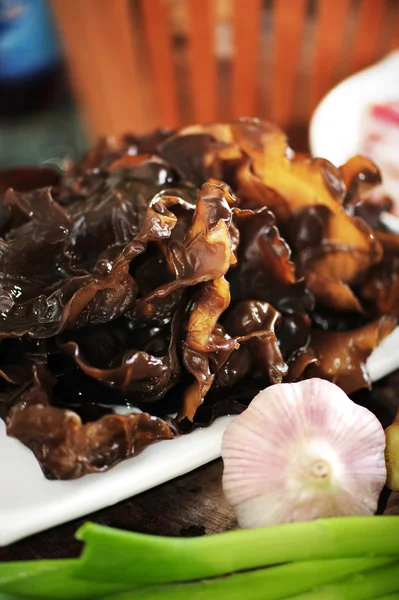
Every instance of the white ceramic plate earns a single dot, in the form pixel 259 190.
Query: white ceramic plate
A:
pixel 29 503
pixel 335 125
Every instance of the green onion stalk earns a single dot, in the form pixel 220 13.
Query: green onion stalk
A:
pixel 113 555
pixel 278 583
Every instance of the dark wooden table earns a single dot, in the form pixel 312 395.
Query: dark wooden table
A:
pixel 187 506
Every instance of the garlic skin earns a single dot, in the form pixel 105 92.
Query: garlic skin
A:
pixel 301 451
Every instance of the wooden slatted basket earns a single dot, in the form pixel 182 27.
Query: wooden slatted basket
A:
pixel 139 64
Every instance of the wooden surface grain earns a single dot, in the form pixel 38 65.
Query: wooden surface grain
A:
pixel 187 506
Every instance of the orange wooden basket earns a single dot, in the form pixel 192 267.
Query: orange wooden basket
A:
pixel 139 64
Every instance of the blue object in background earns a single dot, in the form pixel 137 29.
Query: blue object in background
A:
pixel 39 123
pixel 28 40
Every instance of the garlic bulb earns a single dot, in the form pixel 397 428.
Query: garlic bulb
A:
pixel 303 451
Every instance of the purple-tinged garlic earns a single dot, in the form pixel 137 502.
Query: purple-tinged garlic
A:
pixel 392 454
pixel 301 451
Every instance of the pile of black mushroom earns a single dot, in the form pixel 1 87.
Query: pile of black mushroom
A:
pixel 178 275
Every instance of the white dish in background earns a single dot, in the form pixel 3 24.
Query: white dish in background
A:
pixel 30 503
pixel 335 127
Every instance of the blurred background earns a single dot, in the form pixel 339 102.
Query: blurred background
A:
pixel 73 70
